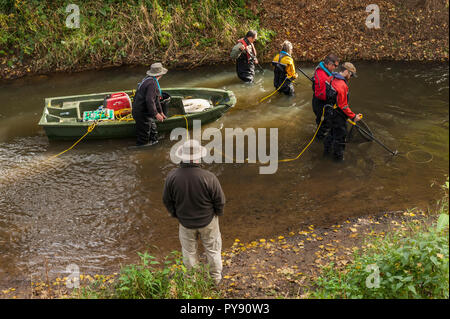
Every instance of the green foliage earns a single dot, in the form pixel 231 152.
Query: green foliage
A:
pixel 265 37
pixel 151 279
pixel 116 31
pixel 412 264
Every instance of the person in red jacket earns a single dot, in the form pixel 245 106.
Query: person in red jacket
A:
pixel 322 74
pixel 337 117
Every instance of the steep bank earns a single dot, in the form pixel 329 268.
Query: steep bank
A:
pixel 183 33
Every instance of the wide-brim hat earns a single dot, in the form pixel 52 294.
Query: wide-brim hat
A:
pixel 157 69
pixel 191 150
pixel 350 67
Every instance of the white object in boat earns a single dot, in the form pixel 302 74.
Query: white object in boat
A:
pixel 196 105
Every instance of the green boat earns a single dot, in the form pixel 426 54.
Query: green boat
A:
pixel 62 116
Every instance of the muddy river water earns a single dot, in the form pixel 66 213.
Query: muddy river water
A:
pixel 100 203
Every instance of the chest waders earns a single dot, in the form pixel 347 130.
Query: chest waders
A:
pixel 280 81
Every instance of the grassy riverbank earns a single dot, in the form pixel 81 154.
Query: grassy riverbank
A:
pixel 34 37
pixel 185 33
pixel 410 250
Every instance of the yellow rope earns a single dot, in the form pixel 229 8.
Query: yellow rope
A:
pixel 187 125
pixel 264 98
pixel 310 142
pixel 298 156
pixel 89 130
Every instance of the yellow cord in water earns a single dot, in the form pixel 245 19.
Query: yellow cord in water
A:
pixel 310 142
pixel 89 130
pixel 125 118
pixel 264 98
pixel 298 156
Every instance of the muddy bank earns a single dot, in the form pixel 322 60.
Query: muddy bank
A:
pixel 285 266
pixel 186 34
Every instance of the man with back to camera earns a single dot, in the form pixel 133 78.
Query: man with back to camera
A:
pixel 194 196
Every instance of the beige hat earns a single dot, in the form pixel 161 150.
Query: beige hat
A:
pixel 190 151
pixel 350 67
pixel 156 69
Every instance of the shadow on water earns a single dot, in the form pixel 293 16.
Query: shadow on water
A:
pixel 99 204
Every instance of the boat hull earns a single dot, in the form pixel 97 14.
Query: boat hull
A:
pixel 62 128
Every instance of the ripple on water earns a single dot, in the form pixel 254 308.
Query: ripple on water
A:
pixel 98 204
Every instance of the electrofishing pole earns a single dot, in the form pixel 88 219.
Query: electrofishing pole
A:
pixel 375 139
pixel 253 58
pixel 307 76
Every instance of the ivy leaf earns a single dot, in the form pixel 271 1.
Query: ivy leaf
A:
pixel 442 222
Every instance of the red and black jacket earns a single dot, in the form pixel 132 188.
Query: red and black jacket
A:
pixel 339 84
pixel 321 75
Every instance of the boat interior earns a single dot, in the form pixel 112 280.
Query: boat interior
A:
pixel 71 108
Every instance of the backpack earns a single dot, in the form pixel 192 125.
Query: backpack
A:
pixel 236 51
pixel 330 92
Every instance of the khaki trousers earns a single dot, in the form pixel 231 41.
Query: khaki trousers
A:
pixel 212 241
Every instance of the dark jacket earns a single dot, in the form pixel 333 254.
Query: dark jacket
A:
pixel 193 195
pixel 147 98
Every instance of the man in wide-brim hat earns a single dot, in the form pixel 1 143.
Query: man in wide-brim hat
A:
pixel 194 196
pixel 147 106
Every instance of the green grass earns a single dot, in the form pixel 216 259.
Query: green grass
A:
pixel 151 279
pixel 412 264
pixel 33 32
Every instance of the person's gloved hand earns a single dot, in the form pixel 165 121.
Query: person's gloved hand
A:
pixel 358 117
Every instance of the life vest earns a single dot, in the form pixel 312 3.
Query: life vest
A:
pixel 332 95
pixel 245 44
pixel 280 73
pixel 321 75
pixel 278 64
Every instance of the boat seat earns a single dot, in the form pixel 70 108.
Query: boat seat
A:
pixel 71 104
pixel 69 112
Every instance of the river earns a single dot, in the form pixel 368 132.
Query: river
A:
pixel 99 204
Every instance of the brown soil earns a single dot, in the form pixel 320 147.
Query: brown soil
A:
pixel 409 30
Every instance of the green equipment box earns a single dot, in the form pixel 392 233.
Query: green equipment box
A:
pixel 104 114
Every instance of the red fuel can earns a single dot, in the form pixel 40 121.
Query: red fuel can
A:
pixel 117 101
